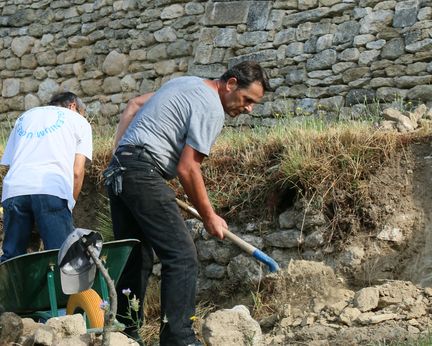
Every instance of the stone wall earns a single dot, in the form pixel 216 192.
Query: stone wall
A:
pixel 328 56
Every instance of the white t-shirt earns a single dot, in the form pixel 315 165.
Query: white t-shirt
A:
pixel 41 152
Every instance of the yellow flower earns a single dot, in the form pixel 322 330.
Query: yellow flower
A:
pixel 193 318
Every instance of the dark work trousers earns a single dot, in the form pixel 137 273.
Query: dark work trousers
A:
pixel 51 215
pixel 146 209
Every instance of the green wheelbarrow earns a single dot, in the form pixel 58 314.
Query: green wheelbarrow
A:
pixel 30 284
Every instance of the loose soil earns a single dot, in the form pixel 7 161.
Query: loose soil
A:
pixel 401 198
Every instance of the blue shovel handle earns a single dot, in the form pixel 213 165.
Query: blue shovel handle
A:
pixel 245 246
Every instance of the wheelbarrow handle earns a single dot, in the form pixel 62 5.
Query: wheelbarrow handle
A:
pixel 242 244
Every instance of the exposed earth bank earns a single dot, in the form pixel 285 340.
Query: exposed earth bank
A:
pixel 385 296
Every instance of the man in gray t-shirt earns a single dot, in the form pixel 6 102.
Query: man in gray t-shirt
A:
pixel 160 136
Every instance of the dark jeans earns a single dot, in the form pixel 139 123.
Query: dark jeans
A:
pixel 146 209
pixel 51 215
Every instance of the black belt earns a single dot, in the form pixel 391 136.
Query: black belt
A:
pixel 133 149
pixel 143 153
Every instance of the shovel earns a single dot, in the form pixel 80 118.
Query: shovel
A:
pixel 245 246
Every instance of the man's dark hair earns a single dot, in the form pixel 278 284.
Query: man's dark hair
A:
pixel 65 99
pixel 246 73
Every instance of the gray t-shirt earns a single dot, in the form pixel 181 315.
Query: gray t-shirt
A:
pixel 183 111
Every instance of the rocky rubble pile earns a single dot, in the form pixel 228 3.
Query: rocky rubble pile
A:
pixel 406 121
pixel 395 310
pixel 311 306
pixel 319 310
pixel 59 331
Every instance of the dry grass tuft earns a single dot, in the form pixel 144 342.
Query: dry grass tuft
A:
pixel 150 330
pixel 250 171
pixel 103 143
pixel 254 173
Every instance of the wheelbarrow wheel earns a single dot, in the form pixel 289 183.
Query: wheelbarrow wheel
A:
pixel 89 303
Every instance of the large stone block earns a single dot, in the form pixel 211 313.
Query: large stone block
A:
pixel 304 31
pixel 165 67
pixel 22 45
pixel 368 56
pixel 314 15
pixel 46 58
pixel 406 82
pixel 324 42
pixel 71 84
pixel 285 238
pixel 207 71
pixel 390 93
pixel 232 327
pixel 10 87
pixel 295 49
pixel 252 38
pixel 258 15
pixel 355 96
pixel 420 92
pixel 225 37
pixel 423 45
pixel 349 54
pixel 307 4
pixel 322 60
pixel 393 49
pixel 165 34
pixel 91 87
pixel 285 36
pixel 179 48
pixel 381 82
pixel 346 32
pixel 226 13
pixel 296 76
pixel 375 21
pixel 261 56
pixel 23 17
pixel 115 63
pixel 157 53
pixel 405 13
pixel 111 85
pixel 172 11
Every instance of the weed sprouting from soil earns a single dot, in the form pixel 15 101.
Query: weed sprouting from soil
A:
pixel 103 218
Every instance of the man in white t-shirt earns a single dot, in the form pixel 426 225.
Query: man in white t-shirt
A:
pixel 46 154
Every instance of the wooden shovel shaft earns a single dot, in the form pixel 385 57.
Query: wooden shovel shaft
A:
pixel 245 246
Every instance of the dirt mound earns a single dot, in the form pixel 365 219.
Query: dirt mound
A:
pixel 302 285
pixel 386 297
pixel 316 308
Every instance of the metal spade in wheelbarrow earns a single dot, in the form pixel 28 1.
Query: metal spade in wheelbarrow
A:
pixel 30 284
pixel 242 244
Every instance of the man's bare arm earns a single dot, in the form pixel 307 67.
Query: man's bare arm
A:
pixel 128 114
pixel 79 171
pixel 190 176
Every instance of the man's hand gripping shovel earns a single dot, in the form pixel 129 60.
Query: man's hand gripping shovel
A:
pixel 245 246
